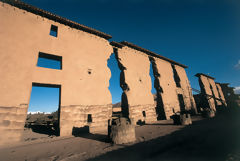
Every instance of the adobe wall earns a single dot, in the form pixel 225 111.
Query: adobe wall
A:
pixel 166 87
pixel 136 84
pixel 221 95
pixel 23 36
pixel 205 89
pixel 186 90
pixel 215 91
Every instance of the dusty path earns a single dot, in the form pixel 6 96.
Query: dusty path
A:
pixel 208 139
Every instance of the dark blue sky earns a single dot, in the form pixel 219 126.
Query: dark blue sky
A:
pixel 202 34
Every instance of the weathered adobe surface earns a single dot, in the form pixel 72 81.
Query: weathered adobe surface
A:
pixel 132 73
pixel 186 90
pixel 219 88
pixel 82 92
pixel 136 84
pixel 206 89
pixel 12 120
pixel 165 80
pixel 215 91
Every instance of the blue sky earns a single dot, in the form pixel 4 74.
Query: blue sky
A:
pixel 44 99
pixel 202 34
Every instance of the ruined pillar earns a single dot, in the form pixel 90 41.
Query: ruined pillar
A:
pixel 209 93
pixel 171 83
pixel 186 90
pixel 221 95
pixel 215 92
pixel 167 90
pixel 137 99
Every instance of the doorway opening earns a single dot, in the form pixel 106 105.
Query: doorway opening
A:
pixel 44 111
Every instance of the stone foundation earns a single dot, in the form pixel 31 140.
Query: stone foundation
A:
pixel 170 110
pixel 12 120
pixel 136 113
pixel 76 116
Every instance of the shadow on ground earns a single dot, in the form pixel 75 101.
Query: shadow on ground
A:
pixel 215 139
pixel 43 129
pixel 84 133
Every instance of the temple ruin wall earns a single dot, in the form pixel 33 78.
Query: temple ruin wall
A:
pixel 84 77
pixel 168 86
pixel 219 88
pixel 215 91
pixel 186 89
pixel 205 86
pixel 23 36
pixel 135 70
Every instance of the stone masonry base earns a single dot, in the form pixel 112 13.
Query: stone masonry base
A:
pixel 143 113
pixel 77 116
pixel 12 120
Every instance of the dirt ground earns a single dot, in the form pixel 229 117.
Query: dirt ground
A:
pixel 215 139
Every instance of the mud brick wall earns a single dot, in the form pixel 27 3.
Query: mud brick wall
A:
pixel 205 89
pixel 215 91
pixel 221 95
pixel 166 87
pixel 76 116
pixel 136 84
pixel 12 120
pixel 84 78
pixel 186 90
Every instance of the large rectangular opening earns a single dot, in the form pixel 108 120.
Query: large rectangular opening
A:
pixel 43 112
pixel 49 61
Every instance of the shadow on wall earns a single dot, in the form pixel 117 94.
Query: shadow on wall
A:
pixel 159 102
pixel 203 99
pixel 195 142
pixel 124 105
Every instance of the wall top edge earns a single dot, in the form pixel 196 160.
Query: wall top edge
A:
pixel 37 11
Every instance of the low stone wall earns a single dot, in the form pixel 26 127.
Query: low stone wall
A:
pixel 77 116
pixel 144 113
pixel 12 120
pixel 170 110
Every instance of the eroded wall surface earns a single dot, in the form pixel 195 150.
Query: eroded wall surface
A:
pixel 221 95
pixel 165 78
pixel 206 90
pixel 186 90
pixel 136 84
pixel 23 36
pixel 215 91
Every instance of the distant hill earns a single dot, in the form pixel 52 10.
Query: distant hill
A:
pixel 117 104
